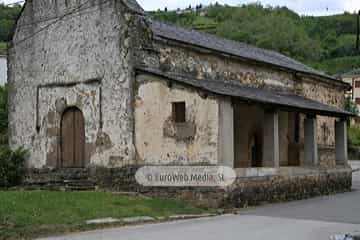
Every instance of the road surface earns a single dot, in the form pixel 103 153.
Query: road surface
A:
pixel 313 219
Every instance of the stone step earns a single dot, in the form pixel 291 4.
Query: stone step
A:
pixel 80 188
pixel 58 176
pixel 58 184
pixel 78 182
pixel 79 185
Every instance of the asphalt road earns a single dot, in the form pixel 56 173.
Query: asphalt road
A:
pixel 313 219
pixel 344 208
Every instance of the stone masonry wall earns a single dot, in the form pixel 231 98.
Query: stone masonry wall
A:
pixel 210 66
pixel 54 63
pixel 246 191
pixel 252 191
pixel 159 139
pixel 205 65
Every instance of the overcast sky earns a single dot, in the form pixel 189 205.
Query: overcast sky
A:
pixel 305 7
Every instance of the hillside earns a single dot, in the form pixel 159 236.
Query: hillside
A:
pixel 8 17
pixel 325 43
pixel 2 48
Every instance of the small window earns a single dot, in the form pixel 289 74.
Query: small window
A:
pixel 178 111
pixel 357 84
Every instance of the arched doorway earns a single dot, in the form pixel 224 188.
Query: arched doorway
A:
pixel 72 139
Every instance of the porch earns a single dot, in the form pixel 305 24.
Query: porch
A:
pixel 268 130
pixel 263 139
pixel 278 131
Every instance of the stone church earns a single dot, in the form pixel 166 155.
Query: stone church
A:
pixel 97 86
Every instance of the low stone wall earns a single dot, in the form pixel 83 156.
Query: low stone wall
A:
pixel 281 185
pixel 118 180
pixel 250 191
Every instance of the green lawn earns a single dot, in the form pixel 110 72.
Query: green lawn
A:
pixel 2 48
pixel 29 214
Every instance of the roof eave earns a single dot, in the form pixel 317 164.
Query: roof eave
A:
pixel 285 107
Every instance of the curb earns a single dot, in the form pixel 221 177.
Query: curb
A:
pixel 147 219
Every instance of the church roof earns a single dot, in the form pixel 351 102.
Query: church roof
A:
pixel 134 6
pixel 353 73
pixel 280 100
pixel 234 48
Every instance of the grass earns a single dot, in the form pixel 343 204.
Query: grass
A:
pixel 3 48
pixel 25 215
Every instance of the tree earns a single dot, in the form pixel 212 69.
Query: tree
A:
pixel 351 106
pixel 3 115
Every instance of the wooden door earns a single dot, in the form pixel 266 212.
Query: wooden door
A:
pixel 72 139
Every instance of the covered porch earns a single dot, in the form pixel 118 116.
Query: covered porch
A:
pixel 273 141
pixel 272 133
pixel 269 136
pixel 269 129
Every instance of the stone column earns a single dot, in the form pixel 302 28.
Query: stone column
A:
pixel 310 138
pixel 226 133
pixel 341 148
pixel 271 157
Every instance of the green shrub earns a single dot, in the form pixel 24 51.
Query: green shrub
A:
pixel 354 153
pixel 3 115
pixel 12 166
pixel 354 135
pixel 3 48
pixel 351 106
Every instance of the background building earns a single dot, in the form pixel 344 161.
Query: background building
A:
pixel 353 78
pixel 3 70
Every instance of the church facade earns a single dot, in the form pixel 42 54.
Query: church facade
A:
pixel 97 86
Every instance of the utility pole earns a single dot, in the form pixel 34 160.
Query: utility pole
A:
pixel 358 32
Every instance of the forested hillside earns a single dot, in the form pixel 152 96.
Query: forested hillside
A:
pixel 8 17
pixel 326 43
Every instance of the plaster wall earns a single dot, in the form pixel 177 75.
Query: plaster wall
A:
pixel 101 40
pixel 70 43
pixel 159 140
pixel 206 65
pixel 355 92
